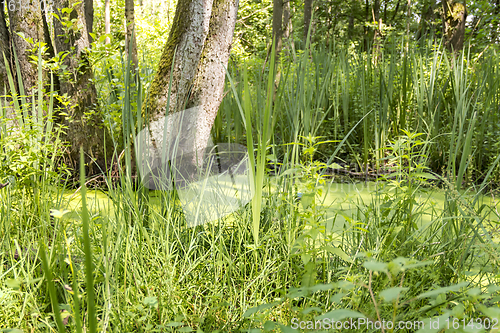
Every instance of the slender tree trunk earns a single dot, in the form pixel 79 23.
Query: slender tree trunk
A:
pixel 201 39
pixel 277 26
pixel 366 31
pixel 130 40
pixel 4 50
pixel 454 16
pixel 308 5
pixel 350 26
pixel 89 17
pixel 107 20
pixel 496 22
pixel 395 12
pixel 84 127
pixel 426 16
pixel 28 21
pixel 377 34
pixel 287 28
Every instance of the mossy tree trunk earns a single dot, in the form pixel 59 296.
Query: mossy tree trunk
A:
pixel 454 16
pixel 25 21
pixel 84 124
pixel 200 39
pixel 130 40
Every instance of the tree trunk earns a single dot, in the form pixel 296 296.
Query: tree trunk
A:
pixel 454 16
pixel 28 21
pixel 130 40
pixel 308 5
pixel 84 128
pixel 201 39
pixel 89 17
pixel 4 50
pixel 426 17
pixel 350 26
pixel 496 22
pixel 277 26
pixel 377 33
pixel 107 20
pixel 287 28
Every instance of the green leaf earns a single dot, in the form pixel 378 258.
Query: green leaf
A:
pixel 254 310
pixel 307 199
pixel 492 312
pixel 151 301
pixel 425 175
pixel 309 277
pixel 443 290
pixel 375 266
pixel 269 325
pixel 391 294
pixel 322 287
pixel 339 314
pixel 13 284
pixel 337 251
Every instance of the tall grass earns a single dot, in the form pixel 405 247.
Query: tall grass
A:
pixel 127 262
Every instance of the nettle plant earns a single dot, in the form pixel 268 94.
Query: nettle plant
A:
pixel 381 297
pixel 30 140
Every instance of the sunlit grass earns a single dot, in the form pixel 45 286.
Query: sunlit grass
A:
pixel 126 259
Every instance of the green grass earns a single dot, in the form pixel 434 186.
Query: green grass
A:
pixel 419 244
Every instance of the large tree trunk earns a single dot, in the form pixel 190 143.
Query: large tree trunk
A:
pixel 28 21
pixel 130 39
pixel 454 16
pixel 84 128
pixel 201 39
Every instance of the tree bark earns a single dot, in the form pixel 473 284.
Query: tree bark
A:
pixel 4 50
pixel 201 39
pixel 377 33
pixel 308 5
pixel 84 127
pixel 454 16
pixel 208 88
pixel 350 25
pixel 89 17
pixel 277 26
pixel 496 22
pixel 287 28
pixel 107 20
pixel 28 21
pixel 130 40
pixel 426 17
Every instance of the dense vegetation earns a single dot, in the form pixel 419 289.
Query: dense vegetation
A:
pixel 421 243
